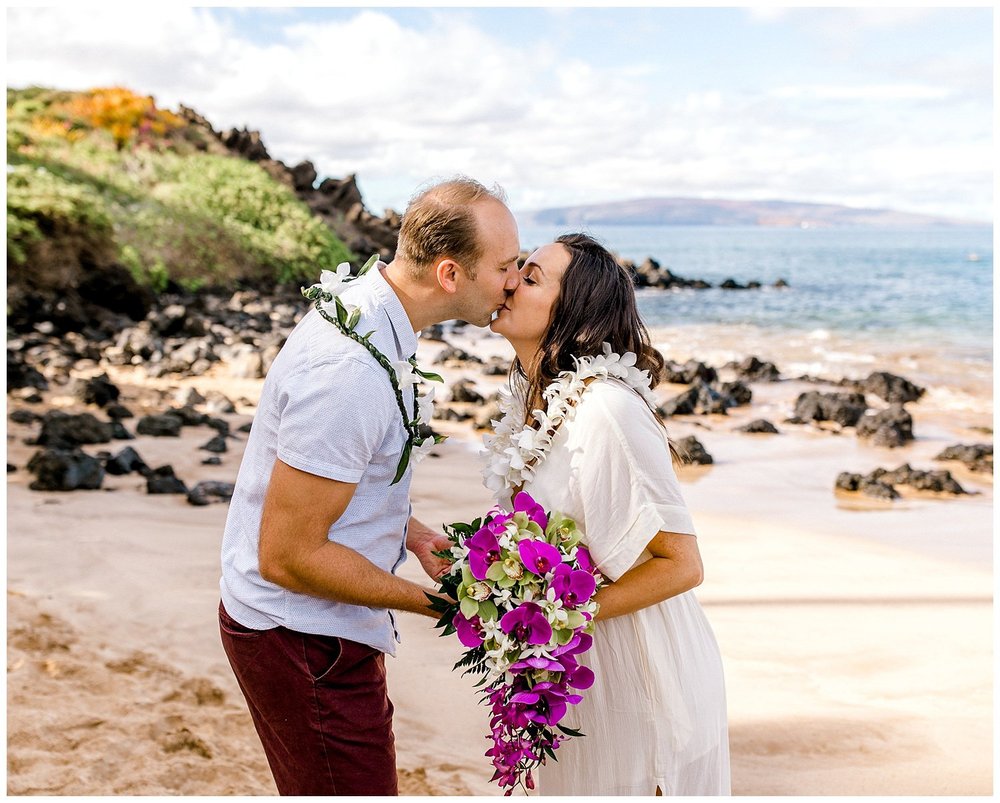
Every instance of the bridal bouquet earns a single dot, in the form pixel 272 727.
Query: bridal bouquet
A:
pixel 524 607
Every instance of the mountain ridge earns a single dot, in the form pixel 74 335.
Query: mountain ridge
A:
pixel 683 211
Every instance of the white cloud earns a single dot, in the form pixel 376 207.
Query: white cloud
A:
pixel 396 105
pixel 866 92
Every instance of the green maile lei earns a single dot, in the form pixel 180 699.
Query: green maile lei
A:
pixel 332 283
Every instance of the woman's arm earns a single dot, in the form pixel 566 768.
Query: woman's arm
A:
pixel 674 568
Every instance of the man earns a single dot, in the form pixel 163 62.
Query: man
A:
pixel 316 529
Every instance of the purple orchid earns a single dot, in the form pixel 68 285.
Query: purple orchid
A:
pixel 523 503
pixel 584 560
pixel 573 587
pixel 484 551
pixel 547 702
pixel 527 624
pixel 538 662
pixel 497 521
pixel 538 557
pixel 469 630
pixel 577 675
pixel 581 642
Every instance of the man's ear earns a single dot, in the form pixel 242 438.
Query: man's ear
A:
pixel 447 272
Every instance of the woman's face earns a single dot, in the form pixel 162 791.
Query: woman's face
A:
pixel 525 317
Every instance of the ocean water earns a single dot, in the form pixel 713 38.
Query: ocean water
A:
pixel 916 300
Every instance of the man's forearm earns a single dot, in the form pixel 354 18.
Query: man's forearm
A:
pixel 337 572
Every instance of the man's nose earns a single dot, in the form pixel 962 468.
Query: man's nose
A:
pixel 513 280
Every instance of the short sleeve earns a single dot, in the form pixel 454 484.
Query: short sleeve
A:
pixel 627 484
pixel 334 417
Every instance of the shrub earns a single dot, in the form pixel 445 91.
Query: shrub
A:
pixel 167 212
pixel 42 205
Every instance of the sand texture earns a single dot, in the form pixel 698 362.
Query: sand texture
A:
pixel 856 635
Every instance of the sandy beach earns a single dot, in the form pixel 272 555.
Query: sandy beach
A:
pixel 856 635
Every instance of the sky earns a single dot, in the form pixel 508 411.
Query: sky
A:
pixel 883 107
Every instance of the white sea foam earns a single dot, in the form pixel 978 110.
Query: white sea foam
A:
pixel 946 398
pixel 843 357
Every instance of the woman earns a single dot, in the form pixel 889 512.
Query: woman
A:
pixel 655 719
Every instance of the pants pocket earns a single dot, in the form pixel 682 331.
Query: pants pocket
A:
pixel 321 655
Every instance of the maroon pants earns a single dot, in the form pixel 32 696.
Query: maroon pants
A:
pixel 320 707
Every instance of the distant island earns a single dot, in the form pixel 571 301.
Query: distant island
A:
pixel 719 212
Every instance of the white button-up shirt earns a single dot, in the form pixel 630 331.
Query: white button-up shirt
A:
pixel 328 408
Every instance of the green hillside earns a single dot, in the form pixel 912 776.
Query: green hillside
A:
pixel 105 177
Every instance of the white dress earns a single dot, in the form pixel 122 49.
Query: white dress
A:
pixel 656 714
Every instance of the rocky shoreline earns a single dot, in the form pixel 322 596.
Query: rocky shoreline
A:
pixel 238 336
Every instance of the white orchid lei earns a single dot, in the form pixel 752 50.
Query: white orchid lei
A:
pixel 402 373
pixel 516 450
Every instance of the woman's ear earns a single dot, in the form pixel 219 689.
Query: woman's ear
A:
pixel 447 271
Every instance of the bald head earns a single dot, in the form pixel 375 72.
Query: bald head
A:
pixel 441 222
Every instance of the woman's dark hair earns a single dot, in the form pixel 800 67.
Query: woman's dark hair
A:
pixel 596 305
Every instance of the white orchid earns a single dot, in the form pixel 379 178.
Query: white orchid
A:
pixel 425 406
pixel 335 282
pixel 405 375
pixel 421 450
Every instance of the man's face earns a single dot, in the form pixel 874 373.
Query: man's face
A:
pixel 497 275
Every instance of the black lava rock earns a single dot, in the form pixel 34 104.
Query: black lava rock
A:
pixel 219 425
pixel 65 470
pixel 877 489
pixel 125 462
pixel 689 373
pixel 160 426
pixel 63 431
pixel 119 433
pixel 99 390
pixel 939 481
pixel 737 391
pixel 217 444
pixel 693 452
pixel 753 369
pixel 845 409
pixel 162 480
pixel 975 456
pixel 891 388
pixel 890 428
pixel 189 416
pixel 456 356
pixel 464 391
pixel 497 366
pixel 117 412
pixel 22 375
pixel 444 413
pixel 846 481
pixel 22 416
pixel 433 332
pixel 699 399
pixel 761 425
pixel 207 490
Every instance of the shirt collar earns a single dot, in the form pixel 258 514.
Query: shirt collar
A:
pixel 394 309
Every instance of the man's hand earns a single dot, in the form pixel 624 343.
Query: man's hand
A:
pixel 423 542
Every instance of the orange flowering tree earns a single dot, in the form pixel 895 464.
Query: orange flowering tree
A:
pixel 124 114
